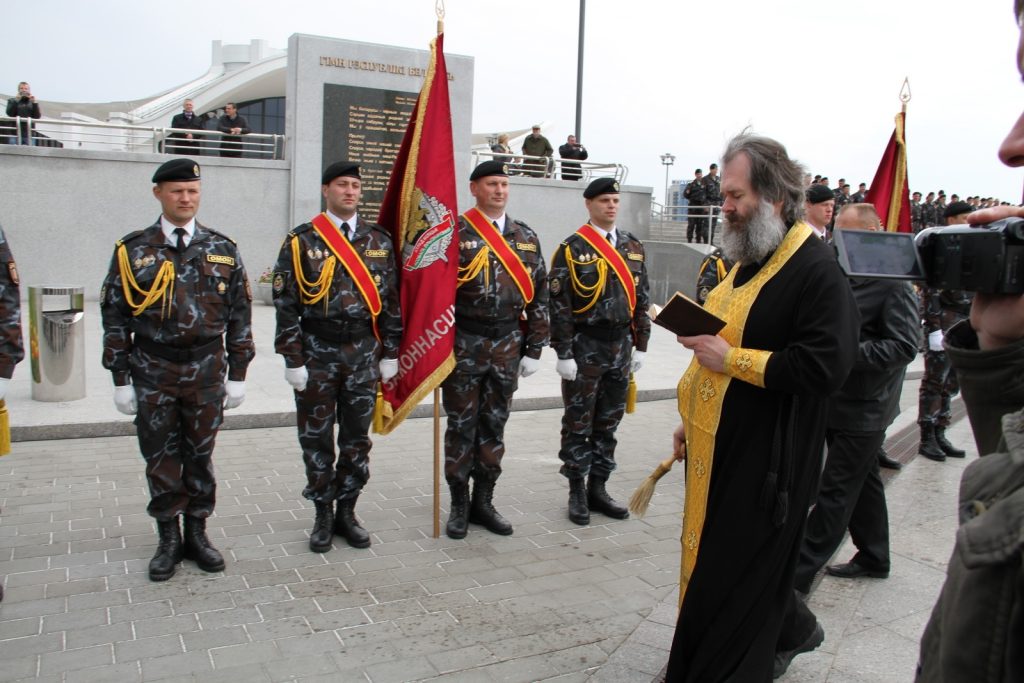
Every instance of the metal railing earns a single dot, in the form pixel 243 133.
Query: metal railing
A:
pixel 548 167
pixel 672 223
pixel 91 135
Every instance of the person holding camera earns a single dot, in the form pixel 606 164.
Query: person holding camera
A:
pixel 572 150
pixel 976 630
pixel 23 106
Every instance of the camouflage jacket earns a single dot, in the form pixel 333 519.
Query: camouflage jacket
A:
pixel 916 216
pixel 12 350
pixel 713 270
pixel 929 217
pixel 492 296
pixel 943 308
pixel 211 298
pixel 612 307
pixel 345 303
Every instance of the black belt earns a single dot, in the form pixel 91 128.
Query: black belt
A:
pixel 179 354
pixel 603 332
pixel 339 333
pixel 495 329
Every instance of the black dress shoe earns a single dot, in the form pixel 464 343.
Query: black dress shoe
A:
pixel 785 658
pixel 888 463
pixel 855 570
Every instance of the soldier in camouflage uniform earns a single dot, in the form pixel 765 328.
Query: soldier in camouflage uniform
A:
pixel 916 213
pixel 940 309
pixel 176 294
pixel 600 339
pixel 498 338
pixel 713 270
pixel 861 195
pixel 713 199
pixel 336 349
pixel 929 219
pixel 695 197
pixel 11 348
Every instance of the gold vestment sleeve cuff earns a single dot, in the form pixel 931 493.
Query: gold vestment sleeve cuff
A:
pixel 747 365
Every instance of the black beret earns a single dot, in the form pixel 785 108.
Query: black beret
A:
pixel 177 169
pixel 601 186
pixel 487 168
pixel 816 194
pixel 713 167
pixel 339 169
pixel 957 208
pixel 697 171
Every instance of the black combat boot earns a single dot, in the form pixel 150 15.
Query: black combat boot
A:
pixel 929 447
pixel 458 516
pixel 168 551
pixel 579 513
pixel 949 449
pixel 347 526
pixel 481 509
pixel 198 547
pixel 599 500
pixel 322 535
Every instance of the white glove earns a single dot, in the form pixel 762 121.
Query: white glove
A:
pixel 528 366
pixel 125 401
pixel 935 340
pixel 388 369
pixel 637 362
pixel 235 394
pixel 297 377
pixel 3 387
pixel 566 367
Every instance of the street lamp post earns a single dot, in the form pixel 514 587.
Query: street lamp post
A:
pixel 668 160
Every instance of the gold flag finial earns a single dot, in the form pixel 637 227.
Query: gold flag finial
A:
pixel 905 92
pixel 439 9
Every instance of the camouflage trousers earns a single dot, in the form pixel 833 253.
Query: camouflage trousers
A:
pixel 938 387
pixel 342 391
pixel 477 396
pixel 594 404
pixel 180 412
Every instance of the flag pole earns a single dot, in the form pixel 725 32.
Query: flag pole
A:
pixel 905 93
pixel 437 463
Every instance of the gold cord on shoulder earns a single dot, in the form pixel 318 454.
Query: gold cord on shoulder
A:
pixel 592 292
pixel 163 285
pixel 473 268
pixel 307 287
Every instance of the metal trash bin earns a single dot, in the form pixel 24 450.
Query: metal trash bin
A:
pixel 57 342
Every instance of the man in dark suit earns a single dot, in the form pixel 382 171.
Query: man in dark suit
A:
pixel 232 127
pixel 850 494
pixel 184 143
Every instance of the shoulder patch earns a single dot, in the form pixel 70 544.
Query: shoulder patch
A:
pixel 220 258
pixel 526 246
pixel 634 257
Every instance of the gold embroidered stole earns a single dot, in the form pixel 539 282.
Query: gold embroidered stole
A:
pixel 701 392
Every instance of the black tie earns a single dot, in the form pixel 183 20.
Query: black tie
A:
pixel 180 246
pixel 610 240
pixel 345 229
pixel 495 224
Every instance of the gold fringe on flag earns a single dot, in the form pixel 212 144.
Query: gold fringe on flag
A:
pixel 641 498
pixel 631 395
pixel 382 412
pixel 5 429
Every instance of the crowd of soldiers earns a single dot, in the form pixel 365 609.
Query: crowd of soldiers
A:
pixel 176 307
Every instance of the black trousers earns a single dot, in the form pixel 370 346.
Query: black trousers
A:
pixel 850 496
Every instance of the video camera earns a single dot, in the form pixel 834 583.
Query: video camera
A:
pixel 987 258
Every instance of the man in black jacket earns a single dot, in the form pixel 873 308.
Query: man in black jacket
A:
pixel 232 127
pixel 851 493
pixel 184 143
pixel 26 107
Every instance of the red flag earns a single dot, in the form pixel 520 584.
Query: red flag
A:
pixel 889 191
pixel 419 210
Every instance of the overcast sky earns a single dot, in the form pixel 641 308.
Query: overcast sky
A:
pixel 660 76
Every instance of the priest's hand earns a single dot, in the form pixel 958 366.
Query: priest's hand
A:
pixel 709 349
pixel 679 443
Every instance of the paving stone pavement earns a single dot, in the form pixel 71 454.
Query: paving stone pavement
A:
pixel 550 602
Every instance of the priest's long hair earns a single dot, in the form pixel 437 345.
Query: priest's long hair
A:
pixel 773 175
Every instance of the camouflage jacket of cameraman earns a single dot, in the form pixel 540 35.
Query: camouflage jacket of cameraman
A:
pixel 611 310
pixel 12 349
pixel 943 308
pixel 492 296
pixel 209 297
pixel 344 303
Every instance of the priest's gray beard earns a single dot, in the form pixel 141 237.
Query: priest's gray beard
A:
pixel 751 240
